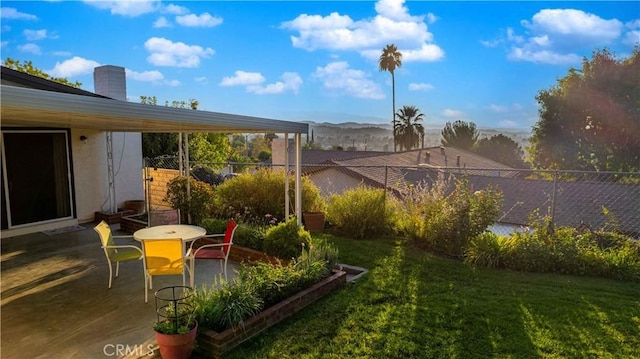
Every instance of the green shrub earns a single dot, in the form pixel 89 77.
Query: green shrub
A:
pixel 445 222
pixel 198 206
pixel 224 307
pixel 487 249
pixel 259 286
pixel 361 213
pixel 250 236
pixel 286 239
pixel 259 197
pixel 214 225
pixel 563 250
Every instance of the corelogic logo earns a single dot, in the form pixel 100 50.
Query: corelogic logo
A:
pixel 120 350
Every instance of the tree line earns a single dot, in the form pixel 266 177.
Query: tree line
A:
pixel 590 120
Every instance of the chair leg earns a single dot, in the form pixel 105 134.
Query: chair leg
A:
pixel 146 291
pixel 117 268
pixel 110 274
pixel 192 272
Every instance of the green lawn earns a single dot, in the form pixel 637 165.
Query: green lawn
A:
pixel 416 305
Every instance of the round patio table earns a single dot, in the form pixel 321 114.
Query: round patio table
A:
pixel 186 232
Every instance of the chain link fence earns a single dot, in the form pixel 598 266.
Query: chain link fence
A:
pixel 590 200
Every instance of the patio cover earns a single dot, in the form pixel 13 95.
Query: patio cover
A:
pixel 26 107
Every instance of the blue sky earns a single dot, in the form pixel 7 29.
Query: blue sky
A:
pixel 317 61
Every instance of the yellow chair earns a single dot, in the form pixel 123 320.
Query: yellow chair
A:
pixel 115 253
pixel 161 257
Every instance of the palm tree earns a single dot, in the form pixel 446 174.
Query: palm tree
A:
pixel 408 127
pixel 391 59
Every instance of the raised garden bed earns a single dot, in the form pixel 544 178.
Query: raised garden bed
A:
pixel 113 218
pixel 131 224
pixel 218 343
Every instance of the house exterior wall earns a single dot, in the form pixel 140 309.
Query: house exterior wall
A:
pixel 331 181
pixel 90 171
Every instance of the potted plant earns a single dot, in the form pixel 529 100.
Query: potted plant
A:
pixel 314 208
pixel 176 328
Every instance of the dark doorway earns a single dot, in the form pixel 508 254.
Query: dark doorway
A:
pixel 36 177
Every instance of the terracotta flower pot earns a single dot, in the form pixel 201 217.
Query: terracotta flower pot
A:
pixel 313 221
pixel 177 346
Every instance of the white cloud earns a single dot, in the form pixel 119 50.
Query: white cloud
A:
pixel 73 67
pixel 174 9
pixel 145 76
pixel 632 37
pixel 291 81
pixel 168 53
pixel 126 8
pixel 201 80
pixel 555 35
pixel 154 77
pixel 30 49
pixel 162 22
pixel 252 81
pixel 243 78
pixel 420 87
pixel 392 24
pixel 61 53
pixel 203 20
pixel 338 76
pixel 452 113
pixel 543 56
pixel 34 35
pixel 498 108
pixel 12 13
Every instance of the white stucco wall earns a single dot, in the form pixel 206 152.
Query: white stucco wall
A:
pixel 90 171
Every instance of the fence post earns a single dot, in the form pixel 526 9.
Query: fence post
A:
pixel 386 179
pixel 553 199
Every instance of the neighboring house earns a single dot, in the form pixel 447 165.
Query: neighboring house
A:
pixel 60 146
pixel 395 171
pixel 570 203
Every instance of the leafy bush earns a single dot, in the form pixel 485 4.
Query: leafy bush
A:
pixel 224 307
pixel 563 250
pixel 259 286
pixel 214 225
pixel 446 222
pixel 249 197
pixel 250 236
pixel 286 239
pixel 200 201
pixel 360 213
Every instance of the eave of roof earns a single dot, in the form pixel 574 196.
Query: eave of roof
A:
pixel 25 107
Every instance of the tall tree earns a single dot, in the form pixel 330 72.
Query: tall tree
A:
pixel 460 134
pixel 203 147
pixel 27 67
pixel 502 149
pixel 408 128
pixel 390 59
pixel 590 120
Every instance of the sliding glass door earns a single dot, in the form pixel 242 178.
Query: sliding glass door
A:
pixel 36 177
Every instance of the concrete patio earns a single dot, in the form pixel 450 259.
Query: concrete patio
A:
pixel 55 301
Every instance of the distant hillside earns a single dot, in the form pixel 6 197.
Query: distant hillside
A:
pixel 379 137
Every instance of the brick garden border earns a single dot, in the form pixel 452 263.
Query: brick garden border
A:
pixel 218 343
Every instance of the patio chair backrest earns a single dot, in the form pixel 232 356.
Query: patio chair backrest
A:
pixel 106 237
pixel 163 256
pixel 228 235
pixel 160 217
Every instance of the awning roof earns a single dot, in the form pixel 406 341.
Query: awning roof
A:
pixel 25 107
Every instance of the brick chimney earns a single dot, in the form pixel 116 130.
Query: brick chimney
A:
pixel 110 81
